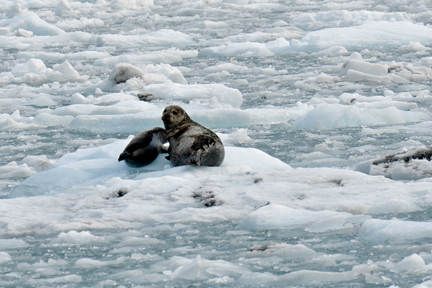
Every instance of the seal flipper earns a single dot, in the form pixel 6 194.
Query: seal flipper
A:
pixel 124 155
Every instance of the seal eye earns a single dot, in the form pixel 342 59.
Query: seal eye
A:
pixel 175 112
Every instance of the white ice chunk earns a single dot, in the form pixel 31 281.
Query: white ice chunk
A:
pixel 309 277
pixel 164 37
pixel 56 280
pixel 209 25
pixel 49 120
pixel 23 33
pixel 65 73
pixel 229 67
pixel 31 22
pixel 236 2
pixel 35 66
pixel 239 136
pixel 123 72
pixel 4 257
pixel 275 216
pixel 413 263
pixel 414 46
pixel 200 268
pixel 365 67
pixel 13 244
pixel 342 18
pixel 41 101
pixel 371 35
pixel 14 171
pixel 87 263
pixel 217 93
pixel 328 116
pixel 34 72
pixel 162 72
pixel 74 237
pixel 189 271
pixel 132 4
pixel 63 5
pixel 380 231
pixel 246 49
pixel 332 223
pixel 39 163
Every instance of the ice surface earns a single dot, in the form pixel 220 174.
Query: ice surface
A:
pixel 30 22
pixel 380 231
pixel 324 108
pixel 370 35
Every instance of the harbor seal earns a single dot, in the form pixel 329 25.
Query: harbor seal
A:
pixel 144 148
pixel 190 142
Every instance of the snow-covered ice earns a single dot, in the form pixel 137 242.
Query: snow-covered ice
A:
pixel 324 108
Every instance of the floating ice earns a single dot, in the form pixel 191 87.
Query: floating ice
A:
pixel 12 244
pixel 132 4
pixel 39 163
pixel 62 6
pixel 211 118
pixel 34 72
pixel 381 231
pixel 5 257
pixel 164 37
pixel 97 165
pixel 356 70
pixel 31 22
pixel 370 35
pixel 342 18
pixel 123 72
pixel 328 116
pixel 246 49
pixel 217 93
pixel 281 217
pixel 74 237
pixel 413 263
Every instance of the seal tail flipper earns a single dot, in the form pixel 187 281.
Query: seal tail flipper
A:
pixel 124 155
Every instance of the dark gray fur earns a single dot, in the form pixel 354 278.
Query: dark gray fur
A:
pixel 190 142
pixel 144 148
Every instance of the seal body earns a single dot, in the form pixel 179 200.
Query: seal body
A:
pixel 190 142
pixel 144 148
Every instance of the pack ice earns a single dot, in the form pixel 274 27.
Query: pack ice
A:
pixel 324 109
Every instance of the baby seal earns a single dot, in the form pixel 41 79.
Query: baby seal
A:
pixel 144 148
pixel 190 142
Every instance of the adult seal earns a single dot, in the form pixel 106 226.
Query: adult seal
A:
pixel 190 142
pixel 144 148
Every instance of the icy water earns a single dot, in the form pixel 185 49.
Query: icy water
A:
pixel 300 92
